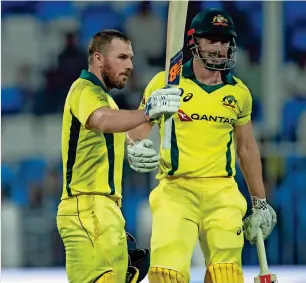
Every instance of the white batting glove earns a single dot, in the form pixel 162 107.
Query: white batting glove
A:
pixel 142 157
pixel 164 101
pixel 263 217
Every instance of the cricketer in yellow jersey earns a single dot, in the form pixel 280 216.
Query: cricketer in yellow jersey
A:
pixel 197 196
pixel 89 217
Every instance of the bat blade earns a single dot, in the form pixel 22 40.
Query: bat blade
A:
pixel 268 278
pixel 177 14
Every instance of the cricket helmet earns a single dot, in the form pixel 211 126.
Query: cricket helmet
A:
pixel 213 23
pixel 139 260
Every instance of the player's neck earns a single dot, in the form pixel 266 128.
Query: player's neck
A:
pixel 206 76
pixel 97 73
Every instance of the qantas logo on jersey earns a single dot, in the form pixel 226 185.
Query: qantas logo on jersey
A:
pixel 183 116
pixel 211 118
pixel 195 116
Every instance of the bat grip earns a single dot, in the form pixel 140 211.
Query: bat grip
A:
pixel 261 253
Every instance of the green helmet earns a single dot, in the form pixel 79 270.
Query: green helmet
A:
pixel 213 23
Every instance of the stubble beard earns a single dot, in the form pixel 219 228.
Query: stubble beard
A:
pixel 110 78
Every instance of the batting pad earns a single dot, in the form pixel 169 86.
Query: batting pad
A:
pixel 108 277
pixel 226 273
pixel 163 275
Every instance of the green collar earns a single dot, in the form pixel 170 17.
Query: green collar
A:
pixel 188 73
pixel 86 75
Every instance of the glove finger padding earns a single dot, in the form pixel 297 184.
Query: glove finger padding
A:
pixel 161 102
pixel 138 159
pixel 142 157
pixel 142 170
pixel 147 143
pixel 141 152
pixel 142 165
pixel 263 217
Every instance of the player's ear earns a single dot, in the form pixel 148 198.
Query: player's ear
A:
pixel 98 59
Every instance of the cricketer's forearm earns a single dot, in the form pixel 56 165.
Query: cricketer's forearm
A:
pixel 251 167
pixel 139 133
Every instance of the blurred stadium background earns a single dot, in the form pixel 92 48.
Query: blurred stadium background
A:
pixel 43 51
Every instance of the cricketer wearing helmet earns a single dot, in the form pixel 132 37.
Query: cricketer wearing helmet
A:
pixel 197 196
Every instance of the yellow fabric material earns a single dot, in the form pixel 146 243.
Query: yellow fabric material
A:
pixel 92 160
pixel 164 275
pixel 92 230
pixel 226 273
pixel 108 277
pixel 202 128
pixel 185 210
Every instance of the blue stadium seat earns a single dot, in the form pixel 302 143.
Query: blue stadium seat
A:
pixel 160 8
pixel 291 114
pixel 289 201
pixel 248 6
pixel 299 38
pixel 51 10
pixel 126 10
pixel 17 7
pixel 97 18
pixel 32 170
pixel 20 193
pixel 211 5
pixel 293 11
pixel 295 163
pixel 256 18
pixel 11 99
pixel 7 174
pixel 8 179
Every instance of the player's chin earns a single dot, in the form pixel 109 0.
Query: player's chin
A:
pixel 121 83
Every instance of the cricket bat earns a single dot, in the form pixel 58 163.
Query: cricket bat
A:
pixel 264 276
pixel 177 14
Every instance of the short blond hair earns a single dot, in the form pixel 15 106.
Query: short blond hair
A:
pixel 101 41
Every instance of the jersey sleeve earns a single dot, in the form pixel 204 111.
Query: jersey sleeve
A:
pixel 245 109
pixel 85 101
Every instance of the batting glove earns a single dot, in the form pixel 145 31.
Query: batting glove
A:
pixel 142 157
pixel 162 102
pixel 263 217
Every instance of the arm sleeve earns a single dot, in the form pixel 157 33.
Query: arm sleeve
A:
pixel 245 110
pixel 156 83
pixel 83 102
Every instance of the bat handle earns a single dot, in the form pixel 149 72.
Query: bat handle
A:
pixel 261 254
pixel 167 132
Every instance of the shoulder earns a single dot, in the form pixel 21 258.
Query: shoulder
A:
pixel 157 82
pixel 87 87
pixel 241 85
pixel 159 78
pixel 242 90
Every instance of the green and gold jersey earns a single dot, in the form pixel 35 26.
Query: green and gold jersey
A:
pixel 92 160
pixel 202 143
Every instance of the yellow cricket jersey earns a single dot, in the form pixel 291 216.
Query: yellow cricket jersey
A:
pixel 202 143
pixel 92 160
